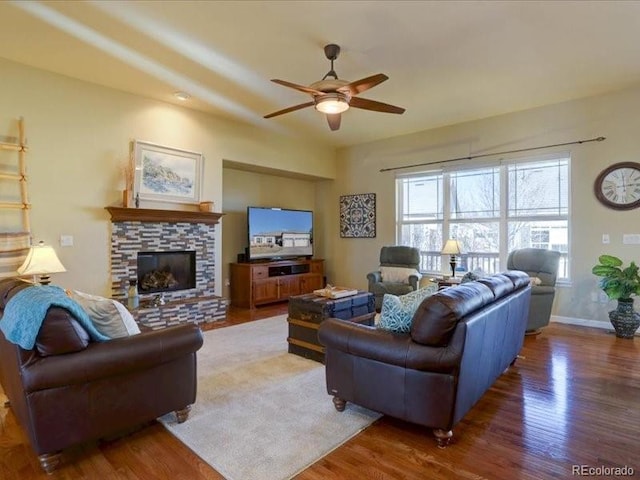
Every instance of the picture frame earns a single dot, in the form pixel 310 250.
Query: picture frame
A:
pixel 358 216
pixel 166 174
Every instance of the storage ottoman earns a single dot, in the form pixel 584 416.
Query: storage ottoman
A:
pixel 306 312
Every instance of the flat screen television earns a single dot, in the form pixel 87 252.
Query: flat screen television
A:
pixel 276 233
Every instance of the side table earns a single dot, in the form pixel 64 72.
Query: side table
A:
pixel 307 311
pixel 448 282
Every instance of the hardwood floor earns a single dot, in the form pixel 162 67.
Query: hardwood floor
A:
pixel 572 400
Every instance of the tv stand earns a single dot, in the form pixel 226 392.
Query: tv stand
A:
pixel 255 284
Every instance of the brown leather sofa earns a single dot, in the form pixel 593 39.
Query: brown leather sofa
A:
pixel 461 340
pixel 68 389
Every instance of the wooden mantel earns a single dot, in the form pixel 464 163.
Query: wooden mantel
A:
pixel 122 214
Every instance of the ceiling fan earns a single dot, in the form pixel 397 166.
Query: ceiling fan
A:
pixel 333 96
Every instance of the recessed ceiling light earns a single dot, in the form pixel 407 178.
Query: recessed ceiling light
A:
pixel 182 95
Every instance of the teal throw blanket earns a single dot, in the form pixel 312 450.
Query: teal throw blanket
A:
pixel 24 313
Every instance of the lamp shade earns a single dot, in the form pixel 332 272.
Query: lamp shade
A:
pixel 41 260
pixel 452 247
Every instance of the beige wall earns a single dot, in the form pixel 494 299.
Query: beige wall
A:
pixel 242 189
pixel 78 135
pixel 615 116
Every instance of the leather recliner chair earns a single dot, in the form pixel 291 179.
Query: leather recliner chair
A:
pixel 542 264
pixel 68 389
pixel 394 256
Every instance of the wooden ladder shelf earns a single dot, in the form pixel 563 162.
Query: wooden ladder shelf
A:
pixel 19 146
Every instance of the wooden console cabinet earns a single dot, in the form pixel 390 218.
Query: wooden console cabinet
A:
pixel 266 282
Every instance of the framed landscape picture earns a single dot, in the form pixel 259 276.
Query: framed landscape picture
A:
pixel 166 174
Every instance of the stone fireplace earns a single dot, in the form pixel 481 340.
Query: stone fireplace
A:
pixel 163 245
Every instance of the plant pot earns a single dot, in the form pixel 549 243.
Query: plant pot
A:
pixel 624 319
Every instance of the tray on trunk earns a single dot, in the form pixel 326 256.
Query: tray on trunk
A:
pixel 335 292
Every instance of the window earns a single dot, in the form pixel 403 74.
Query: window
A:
pixel 490 210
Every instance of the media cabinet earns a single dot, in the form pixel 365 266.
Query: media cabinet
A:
pixel 267 282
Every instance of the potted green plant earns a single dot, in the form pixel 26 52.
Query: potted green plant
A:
pixel 620 284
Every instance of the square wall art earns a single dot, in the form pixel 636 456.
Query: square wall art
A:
pixel 358 216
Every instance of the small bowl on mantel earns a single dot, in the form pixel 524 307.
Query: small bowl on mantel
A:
pixel 206 206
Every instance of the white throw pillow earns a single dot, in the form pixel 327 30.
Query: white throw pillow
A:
pixel 397 274
pixel 109 316
pixel 534 281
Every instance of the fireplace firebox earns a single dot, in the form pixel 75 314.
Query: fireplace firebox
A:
pixel 166 271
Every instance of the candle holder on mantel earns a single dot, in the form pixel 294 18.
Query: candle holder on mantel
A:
pixel 126 198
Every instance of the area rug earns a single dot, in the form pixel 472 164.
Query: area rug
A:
pixel 262 413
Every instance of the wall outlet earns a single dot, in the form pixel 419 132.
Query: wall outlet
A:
pixel 66 240
pixel 226 282
pixel 605 238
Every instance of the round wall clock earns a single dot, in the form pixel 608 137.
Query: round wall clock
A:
pixel 618 186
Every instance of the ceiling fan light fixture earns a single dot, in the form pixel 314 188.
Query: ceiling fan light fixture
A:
pixel 332 103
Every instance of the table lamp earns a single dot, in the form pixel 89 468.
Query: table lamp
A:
pixel 452 248
pixel 41 260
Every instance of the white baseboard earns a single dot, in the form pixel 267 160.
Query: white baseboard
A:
pixel 587 323
pixel 582 322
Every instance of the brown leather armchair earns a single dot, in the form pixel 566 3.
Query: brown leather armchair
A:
pixel 68 389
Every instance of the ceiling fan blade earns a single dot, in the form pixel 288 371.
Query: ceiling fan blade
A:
pixel 366 104
pixel 363 84
pixel 297 87
pixel 290 109
pixel 334 120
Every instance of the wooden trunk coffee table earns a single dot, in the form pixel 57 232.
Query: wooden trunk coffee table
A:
pixel 307 312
